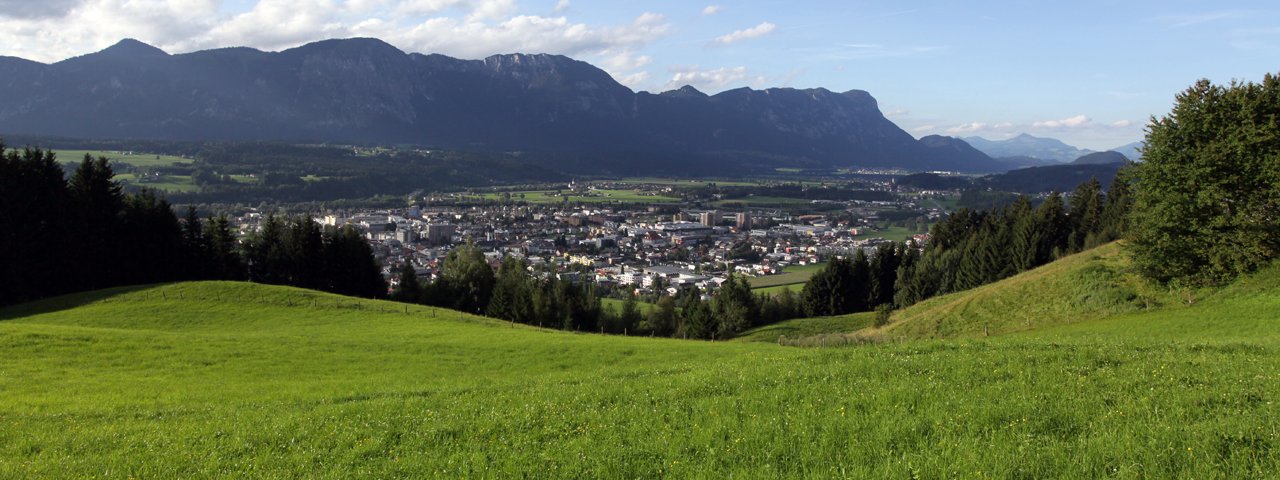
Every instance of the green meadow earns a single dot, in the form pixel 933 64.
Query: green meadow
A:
pixel 222 379
pixel 593 196
pixel 791 275
pixel 140 160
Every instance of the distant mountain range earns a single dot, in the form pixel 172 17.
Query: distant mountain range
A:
pixel 1101 158
pixel 1132 151
pixel 366 91
pixel 1024 145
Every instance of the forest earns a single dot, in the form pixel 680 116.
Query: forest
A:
pixel 61 235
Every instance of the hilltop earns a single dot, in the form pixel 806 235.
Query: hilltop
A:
pixel 235 379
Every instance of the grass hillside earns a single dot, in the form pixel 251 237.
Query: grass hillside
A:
pixel 221 379
pixel 804 327
pixel 1086 286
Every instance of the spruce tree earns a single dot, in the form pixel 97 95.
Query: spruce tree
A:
pixel 409 290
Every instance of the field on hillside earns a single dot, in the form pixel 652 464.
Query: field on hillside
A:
pixel 142 160
pixel 791 275
pixel 242 380
pixel 593 196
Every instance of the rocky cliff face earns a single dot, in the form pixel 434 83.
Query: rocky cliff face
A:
pixel 366 91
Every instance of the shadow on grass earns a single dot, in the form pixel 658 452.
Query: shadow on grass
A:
pixel 69 301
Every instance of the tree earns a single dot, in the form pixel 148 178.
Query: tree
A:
pixel 154 236
pixel 662 317
pixel 884 273
pixel 35 235
pixel 97 202
pixel 265 253
pixel 629 318
pixel 224 258
pixel 409 290
pixel 1085 213
pixel 734 307
pixel 195 246
pixel 1115 215
pixel 1207 194
pixel 348 265
pixel 469 277
pixel 512 297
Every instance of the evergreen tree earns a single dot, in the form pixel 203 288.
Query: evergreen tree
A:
pixel 147 224
pixel 409 290
pixel 34 232
pixel 629 318
pixel 1115 215
pixel 304 254
pixel 264 252
pixel 97 202
pixel 195 247
pixel 1085 213
pixel 349 266
pixel 734 307
pixel 223 254
pixel 884 273
pixel 512 297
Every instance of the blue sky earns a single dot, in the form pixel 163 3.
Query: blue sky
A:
pixel 1088 72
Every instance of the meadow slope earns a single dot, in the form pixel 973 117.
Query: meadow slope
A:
pixel 232 380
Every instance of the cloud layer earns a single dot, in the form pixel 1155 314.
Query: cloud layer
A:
pixel 460 28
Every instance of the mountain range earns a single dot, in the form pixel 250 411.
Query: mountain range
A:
pixel 366 91
pixel 1024 145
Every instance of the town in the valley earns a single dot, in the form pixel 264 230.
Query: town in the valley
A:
pixel 647 248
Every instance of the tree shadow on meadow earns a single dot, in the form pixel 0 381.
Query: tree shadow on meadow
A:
pixel 69 301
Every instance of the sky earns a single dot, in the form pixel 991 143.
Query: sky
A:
pixel 1091 73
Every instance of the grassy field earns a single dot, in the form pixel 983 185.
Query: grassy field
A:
pixel 763 201
pixel 644 307
pixel 792 275
pixel 805 327
pixel 686 182
pixel 222 379
pixel 1086 286
pixel 142 160
pixel 169 183
pixel 595 196
pixel 897 234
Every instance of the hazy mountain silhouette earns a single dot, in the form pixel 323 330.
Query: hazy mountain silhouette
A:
pixel 367 91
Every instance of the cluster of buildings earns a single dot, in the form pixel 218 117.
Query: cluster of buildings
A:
pixel 647 249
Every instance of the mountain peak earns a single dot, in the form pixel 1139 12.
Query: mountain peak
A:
pixel 687 91
pixel 132 48
pixel 350 45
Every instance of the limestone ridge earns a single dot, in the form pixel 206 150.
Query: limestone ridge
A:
pixel 367 91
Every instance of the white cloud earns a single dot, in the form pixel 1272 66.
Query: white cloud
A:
pixel 1122 124
pixel 764 28
pixel 1077 121
pixel 711 9
pixel 925 129
pixel 967 128
pixel 897 112
pixel 713 80
pixel 561 6
pixel 460 28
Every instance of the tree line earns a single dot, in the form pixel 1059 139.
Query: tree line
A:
pixel 62 235
pixel 970 248
pixel 516 293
